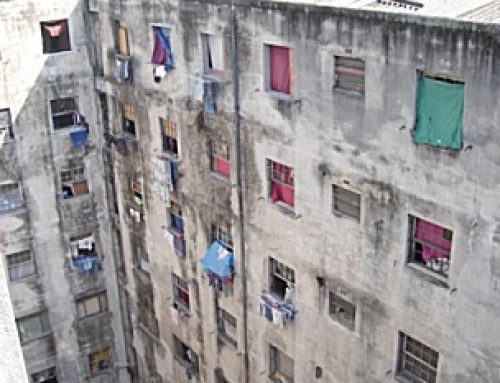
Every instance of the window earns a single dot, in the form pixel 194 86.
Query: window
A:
pixel 128 112
pixel 219 158
pixel 226 326
pixel 10 197
pixel 429 246
pixel 222 233
pixel 213 54
pixel 342 310
pixel 33 326
pixel 122 46
pixel 440 109
pixel 55 36
pixel 6 130
pixel 281 366
pixel 177 228
pixel 186 356
pixel 350 74
pixel 92 305
pixel 73 182
pixel 281 183
pixel 46 376
pixel 416 361
pixel 20 265
pixel 64 112
pixel 346 202
pixel 181 292
pixel 169 137
pixel 279 73
pixel 83 245
pixel 136 193
pixel 162 56
pixel 99 360
pixel 282 279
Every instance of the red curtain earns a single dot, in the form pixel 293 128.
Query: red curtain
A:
pixel 432 239
pixel 279 61
pixel 159 52
pixel 282 193
pixel 222 167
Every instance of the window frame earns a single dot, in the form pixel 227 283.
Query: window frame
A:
pixel 105 355
pixel 342 70
pixel 219 150
pixel 122 50
pixel 344 200
pixel 129 117
pixel 276 276
pixel 71 176
pixel 61 113
pixel 48 41
pixel 403 354
pixel 21 265
pixel 169 137
pixel 43 322
pixel 342 310
pixel 221 231
pixel 179 284
pixel 275 366
pixel 227 321
pixel 17 202
pixel 83 311
pixel 205 42
pixel 272 179
pixel 9 128
pixel 268 70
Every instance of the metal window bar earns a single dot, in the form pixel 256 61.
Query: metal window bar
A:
pixel 181 291
pixel 350 74
pixel 346 202
pixel 418 360
pixel 282 174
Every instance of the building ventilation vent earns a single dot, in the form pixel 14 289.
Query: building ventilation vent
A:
pixel 405 4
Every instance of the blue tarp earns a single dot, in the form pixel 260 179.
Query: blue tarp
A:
pixel 218 260
pixel 78 138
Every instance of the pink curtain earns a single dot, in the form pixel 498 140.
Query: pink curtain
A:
pixel 282 193
pixel 222 167
pixel 56 29
pixel 159 52
pixel 433 242
pixel 279 60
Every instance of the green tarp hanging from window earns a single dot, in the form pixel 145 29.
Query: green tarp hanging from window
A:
pixel 440 109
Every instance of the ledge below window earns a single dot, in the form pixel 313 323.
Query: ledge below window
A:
pixel 432 277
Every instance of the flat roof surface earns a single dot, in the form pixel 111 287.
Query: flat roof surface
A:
pixel 479 11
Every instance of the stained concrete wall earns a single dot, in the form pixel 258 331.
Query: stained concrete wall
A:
pixel 329 137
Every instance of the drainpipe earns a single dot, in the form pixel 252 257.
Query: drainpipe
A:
pixel 239 186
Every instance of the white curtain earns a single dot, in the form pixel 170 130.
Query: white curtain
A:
pixel 216 52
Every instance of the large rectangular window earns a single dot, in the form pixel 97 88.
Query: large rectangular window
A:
pixel 282 279
pixel 226 327
pixel 429 246
pixel 416 361
pixel 64 112
pixel 33 326
pixel 281 183
pixel 219 158
pixel 350 74
pixel 440 109
pixel 181 292
pixel 280 365
pixel 55 36
pixel 213 54
pixel 169 137
pixel 92 305
pixel 279 71
pixel 346 202
pixel 10 197
pixel 121 39
pixel 20 265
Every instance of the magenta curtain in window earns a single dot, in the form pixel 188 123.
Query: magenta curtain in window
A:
pixel 432 239
pixel 159 52
pixel 183 296
pixel 222 167
pixel 282 193
pixel 279 62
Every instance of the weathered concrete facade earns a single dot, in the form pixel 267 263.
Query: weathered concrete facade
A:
pixel 362 142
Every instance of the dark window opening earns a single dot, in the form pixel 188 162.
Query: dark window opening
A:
pixel 55 36
pixel 342 310
pixel 64 113
pixel 346 202
pixel 169 137
pixel 282 279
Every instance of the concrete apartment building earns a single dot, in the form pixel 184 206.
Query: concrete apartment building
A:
pixel 253 191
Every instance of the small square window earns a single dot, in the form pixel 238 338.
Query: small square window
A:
pixel 219 158
pixel 181 292
pixel 416 361
pixel 346 202
pixel 213 54
pixel 429 246
pixel 281 366
pixel 342 310
pixel 20 265
pixel 281 183
pixel 226 326
pixel 440 109
pixel 350 74
pixel 55 36
pixel 282 279
pixel 121 39
pixel 99 360
pixel 64 112
pixel 169 137
pixel 10 197
pixel 278 69
pixel 93 305
pixel 73 182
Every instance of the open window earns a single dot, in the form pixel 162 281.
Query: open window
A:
pixel 429 246
pixel 226 327
pixel 181 292
pixel 280 178
pixel 99 360
pixel 280 366
pixel 83 253
pixel 342 310
pixel 123 62
pixel 440 109
pixel 45 376
pixel 281 280
pixel 162 57
pixel 33 326
pixel 20 265
pixel 219 158
pixel 121 39
pixel 346 202
pixel 129 118
pixel 177 228
pixel 64 113
pixel 137 192
pixel 213 54
pixel 6 129
pixel 349 74
pixel 55 36
pixel 417 362
pixel 169 138
pixel 93 305
pixel 11 197
pixel 73 182
pixel 186 356
pixel 278 69
pixel 221 231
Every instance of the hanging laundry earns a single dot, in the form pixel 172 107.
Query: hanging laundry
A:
pixel 210 106
pixel 56 29
pixel 162 51
pixel 159 72
pixel 174 314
